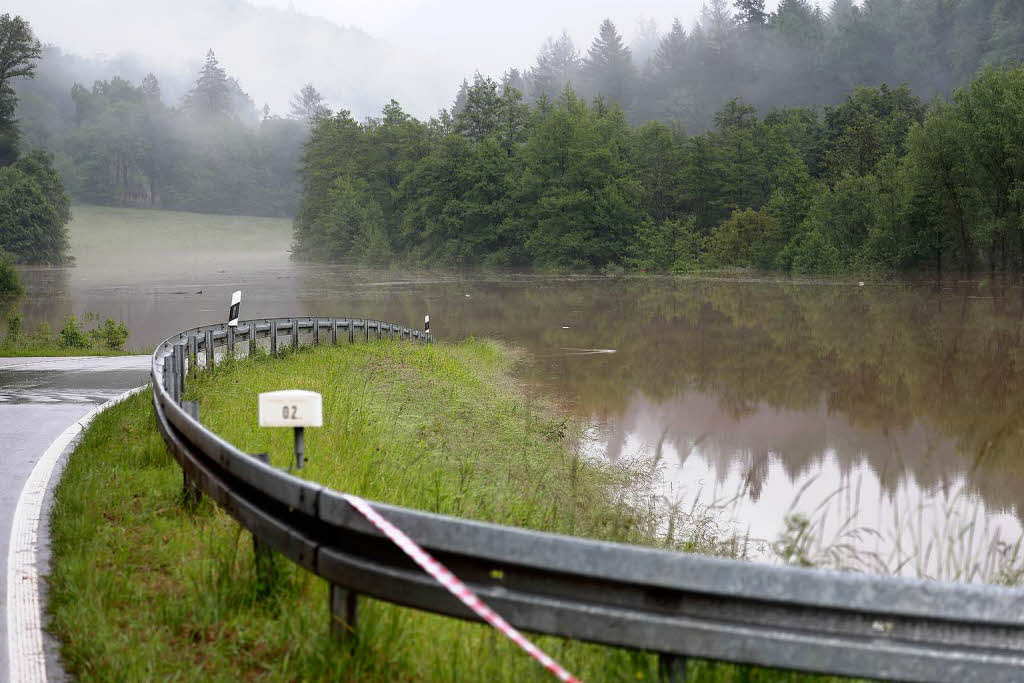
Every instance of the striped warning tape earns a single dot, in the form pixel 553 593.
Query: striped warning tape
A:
pixel 456 587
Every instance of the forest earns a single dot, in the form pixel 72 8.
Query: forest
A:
pixel 118 143
pixel 588 170
pixel 34 208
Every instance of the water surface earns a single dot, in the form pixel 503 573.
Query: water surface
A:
pixel 890 406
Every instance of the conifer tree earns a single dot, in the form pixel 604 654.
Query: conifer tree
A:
pixel 558 65
pixel 671 53
pixel 308 105
pixel 608 68
pixel 751 12
pixel 211 95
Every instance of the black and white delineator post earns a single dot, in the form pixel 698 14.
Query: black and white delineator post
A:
pixel 293 408
pixel 236 304
pixel 426 325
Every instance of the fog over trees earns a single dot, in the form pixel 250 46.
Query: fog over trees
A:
pixel 795 138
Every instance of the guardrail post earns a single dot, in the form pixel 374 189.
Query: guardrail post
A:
pixel 344 606
pixel 178 361
pixel 671 668
pixel 273 337
pixel 252 339
pixel 295 334
pixel 334 331
pixel 209 349
pixel 190 493
pixel 231 340
pixel 316 331
pixel 267 573
pixel 193 350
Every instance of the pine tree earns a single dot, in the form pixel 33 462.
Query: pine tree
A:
pixel 751 12
pixel 841 12
pixel 308 105
pixel 608 68
pixel 671 53
pixel 150 87
pixel 558 65
pixel 211 95
pixel 460 98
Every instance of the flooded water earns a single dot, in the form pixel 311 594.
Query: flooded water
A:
pixel 889 414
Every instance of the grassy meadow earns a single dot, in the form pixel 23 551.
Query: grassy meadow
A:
pixel 144 588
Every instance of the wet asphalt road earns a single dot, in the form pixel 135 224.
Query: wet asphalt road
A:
pixel 39 399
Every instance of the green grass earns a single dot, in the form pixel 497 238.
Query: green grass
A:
pixel 143 588
pixel 36 349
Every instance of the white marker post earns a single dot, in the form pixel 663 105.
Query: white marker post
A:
pixel 236 304
pixel 426 325
pixel 292 408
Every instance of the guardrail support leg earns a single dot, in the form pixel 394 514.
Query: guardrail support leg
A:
pixel 671 668
pixel 273 337
pixel 178 353
pixel 344 613
pixel 316 331
pixel 267 570
pixel 231 341
pixel 190 493
pixel 295 334
pixel 252 340
pixel 209 350
pixel 334 331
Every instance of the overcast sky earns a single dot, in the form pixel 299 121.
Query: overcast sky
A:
pixel 433 43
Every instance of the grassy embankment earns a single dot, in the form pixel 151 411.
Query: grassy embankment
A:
pixel 143 588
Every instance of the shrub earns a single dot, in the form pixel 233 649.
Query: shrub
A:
pixel 10 284
pixel 13 327
pixel 72 336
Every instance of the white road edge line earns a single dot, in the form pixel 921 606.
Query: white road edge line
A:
pixel 26 658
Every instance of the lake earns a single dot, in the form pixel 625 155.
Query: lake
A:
pixel 888 414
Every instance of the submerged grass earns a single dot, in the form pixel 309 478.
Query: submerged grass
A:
pixel 143 588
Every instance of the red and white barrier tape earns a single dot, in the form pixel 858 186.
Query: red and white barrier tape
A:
pixel 456 587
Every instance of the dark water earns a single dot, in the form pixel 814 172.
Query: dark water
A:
pixel 898 406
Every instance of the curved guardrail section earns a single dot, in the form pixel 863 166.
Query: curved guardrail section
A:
pixel 671 603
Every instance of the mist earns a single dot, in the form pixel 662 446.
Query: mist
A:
pixel 358 55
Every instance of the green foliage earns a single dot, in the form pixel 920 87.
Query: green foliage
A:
pixel 31 229
pixel 72 336
pixel 671 246
pixel 77 336
pixel 736 242
pixel 13 327
pixel 19 50
pixel 10 284
pixel 881 182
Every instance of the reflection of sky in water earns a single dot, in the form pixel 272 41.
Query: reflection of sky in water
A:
pixel 910 395
pixel 873 519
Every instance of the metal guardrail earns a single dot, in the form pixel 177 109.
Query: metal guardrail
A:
pixel 676 604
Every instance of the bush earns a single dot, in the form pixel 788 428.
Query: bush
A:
pixel 111 334
pixel 13 327
pixel 10 284
pixel 72 336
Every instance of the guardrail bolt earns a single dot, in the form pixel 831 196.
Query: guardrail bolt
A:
pixel 344 606
pixel 671 668
pixel 190 493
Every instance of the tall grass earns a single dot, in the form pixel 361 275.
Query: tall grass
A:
pixel 144 588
